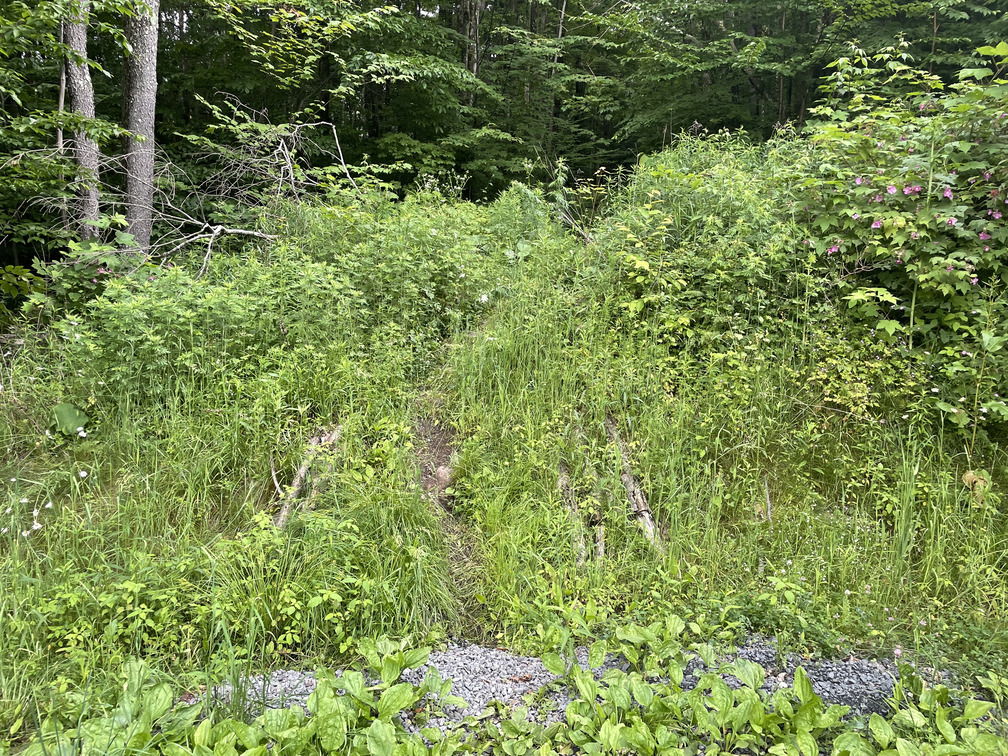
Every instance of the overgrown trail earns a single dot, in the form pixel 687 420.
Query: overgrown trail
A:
pixel 434 446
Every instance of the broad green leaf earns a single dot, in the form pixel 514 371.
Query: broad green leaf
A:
pixel 69 419
pixel 881 730
pixel 975 709
pixel 889 326
pixel 158 700
pixel 974 73
pixel 851 744
pixel 609 735
pixel 554 664
pixel 642 692
pixel 332 731
pixel 175 749
pixel 279 722
pixel 380 738
pixel 910 717
pixel 416 657
pixel 249 735
pixel 749 672
pixel 803 686
pixel 204 733
pixel 597 654
pixel 392 666
pixel 806 743
pixel 395 699
pixel 942 723
pixel 618 695
pixel 905 747
pixel 353 683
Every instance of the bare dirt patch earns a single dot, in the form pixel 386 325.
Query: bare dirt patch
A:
pixel 434 445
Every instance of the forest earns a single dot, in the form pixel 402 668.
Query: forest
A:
pixel 503 378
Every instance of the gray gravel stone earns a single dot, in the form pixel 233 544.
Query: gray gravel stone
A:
pixel 484 677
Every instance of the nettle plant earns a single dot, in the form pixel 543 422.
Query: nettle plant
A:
pixel 906 193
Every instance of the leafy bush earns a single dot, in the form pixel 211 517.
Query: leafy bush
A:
pixel 705 255
pixel 157 331
pixel 620 712
pixel 904 194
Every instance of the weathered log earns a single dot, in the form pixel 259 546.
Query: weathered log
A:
pixel 315 444
pixel 635 494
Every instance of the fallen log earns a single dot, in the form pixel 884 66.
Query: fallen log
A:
pixel 635 494
pixel 293 492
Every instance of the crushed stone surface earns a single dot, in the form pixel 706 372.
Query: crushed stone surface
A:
pixel 484 677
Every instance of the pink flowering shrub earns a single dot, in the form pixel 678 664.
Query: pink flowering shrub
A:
pixel 904 187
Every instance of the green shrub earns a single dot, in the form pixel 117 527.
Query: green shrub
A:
pixel 904 193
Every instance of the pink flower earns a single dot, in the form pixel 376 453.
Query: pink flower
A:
pixel 947 193
pixel 907 189
pixel 859 181
pixel 834 248
pixel 974 280
pixel 984 235
pixel 878 197
pixel 997 215
pixel 952 221
pixel 891 190
pixel 855 216
pixel 877 224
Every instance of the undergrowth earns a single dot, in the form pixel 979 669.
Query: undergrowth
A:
pixel 800 482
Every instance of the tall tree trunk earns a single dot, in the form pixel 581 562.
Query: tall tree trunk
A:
pixel 60 108
pixel 468 19
pixel 141 77
pixel 85 149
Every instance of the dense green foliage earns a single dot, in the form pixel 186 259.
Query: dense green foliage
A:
pixel 827 508
pixel 427 234
pixel 621 712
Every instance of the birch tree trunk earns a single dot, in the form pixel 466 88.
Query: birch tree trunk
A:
pixel 141 94
pixel 85 149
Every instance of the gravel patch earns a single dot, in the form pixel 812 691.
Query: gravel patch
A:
pixel 483 677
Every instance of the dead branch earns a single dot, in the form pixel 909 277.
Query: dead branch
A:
pixel 567 494
pixel 276 483
pixel 635 494
pixel 315 444
pixel 214 232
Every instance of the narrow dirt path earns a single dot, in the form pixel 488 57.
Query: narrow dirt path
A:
pixel 435 443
